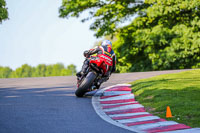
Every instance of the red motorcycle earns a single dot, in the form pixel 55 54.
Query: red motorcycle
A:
pixel 98 68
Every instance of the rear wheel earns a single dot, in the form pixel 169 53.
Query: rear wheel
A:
pixel 86 84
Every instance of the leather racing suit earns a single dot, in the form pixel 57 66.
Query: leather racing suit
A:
pixel 100 50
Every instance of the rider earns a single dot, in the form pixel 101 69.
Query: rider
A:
pixel 105 48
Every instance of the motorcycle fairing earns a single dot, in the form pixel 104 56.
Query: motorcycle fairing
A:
pixel 102 61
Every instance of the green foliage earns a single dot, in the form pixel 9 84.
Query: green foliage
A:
pixel 72 69
pixel 5 72
pixel 41 70
pixel 57 68
pixel 24 71
pixel 166 36
pixel 108 14
pixel 3 11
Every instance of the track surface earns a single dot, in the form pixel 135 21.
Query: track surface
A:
pixel 30 105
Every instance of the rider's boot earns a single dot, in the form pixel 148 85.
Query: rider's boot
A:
pixel 84 68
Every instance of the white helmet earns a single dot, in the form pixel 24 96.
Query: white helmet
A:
pixel 106 43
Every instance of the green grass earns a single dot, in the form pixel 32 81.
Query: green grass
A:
pixel 180 91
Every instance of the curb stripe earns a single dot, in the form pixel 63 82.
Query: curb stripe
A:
pixel 129 114
pixel 155 125
pixel 103 97
pixel 128 96
pixel 167 128
pixel 113 106
pixel 117 101
pixel 98 109
pixel 146 118
pixel 116 104
pixel 134 102
pixel 132 106
pixel 130 117
pixel 111 93
pixel 126 111
pixel 121 88
pixel 144 122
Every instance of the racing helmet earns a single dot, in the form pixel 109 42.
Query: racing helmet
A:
pixel 106 43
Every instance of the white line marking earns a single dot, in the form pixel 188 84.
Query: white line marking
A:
pixel 111 93
pixel 129 114
pixel 146 118
pixel 128 96
pixel 118 103
pixel 154 125
pixel 124 107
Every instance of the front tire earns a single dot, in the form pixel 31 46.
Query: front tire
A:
pixel 86 84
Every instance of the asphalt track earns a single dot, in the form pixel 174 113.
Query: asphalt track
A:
pixel 48 105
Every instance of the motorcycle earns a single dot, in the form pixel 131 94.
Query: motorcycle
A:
pixel 95 74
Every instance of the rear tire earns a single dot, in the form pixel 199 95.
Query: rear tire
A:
pixel 86 84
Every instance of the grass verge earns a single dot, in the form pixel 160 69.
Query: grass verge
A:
pixel 180 91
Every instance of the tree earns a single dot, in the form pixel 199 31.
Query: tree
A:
pixel 166 36
pixel 72 69
pixel 108 14
pixel 65 72
pixel 39 71
pixel 23 71
pixel 3 11
pixel 5 72
pixel 49 70
pixel 57 68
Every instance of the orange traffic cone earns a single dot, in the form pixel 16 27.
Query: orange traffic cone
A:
pixel 168 112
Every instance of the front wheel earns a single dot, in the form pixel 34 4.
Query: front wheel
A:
pixel 86 84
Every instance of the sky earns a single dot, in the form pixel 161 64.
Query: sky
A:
pixel 34 34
